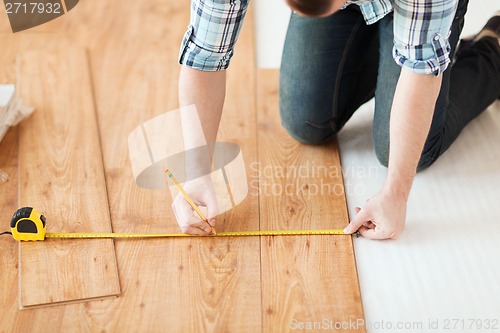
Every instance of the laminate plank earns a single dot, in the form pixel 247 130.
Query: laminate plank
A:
pixel 310 278
pixel 12 318
pixel 8 204
pixel 93 23
pixel 187 285
pixel 61 174
pixel 4 23
pixel 68 318
pixel 239 125
pixel 77 317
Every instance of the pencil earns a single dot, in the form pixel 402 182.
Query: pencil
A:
pixel 188 199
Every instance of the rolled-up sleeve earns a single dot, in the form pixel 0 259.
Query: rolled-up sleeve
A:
pixel 208 45
pixel 421 31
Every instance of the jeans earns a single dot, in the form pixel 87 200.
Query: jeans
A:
pixel 331 66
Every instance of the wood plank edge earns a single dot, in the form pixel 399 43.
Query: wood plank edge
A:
pixel 83 300
pixel 105 178
pixel 351 242
pixel 85 52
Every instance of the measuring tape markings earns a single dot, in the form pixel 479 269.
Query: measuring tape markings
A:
pixel 220 234
pixel 28 224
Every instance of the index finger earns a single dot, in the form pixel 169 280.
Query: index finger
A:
pixel 187 229
pixel 358 220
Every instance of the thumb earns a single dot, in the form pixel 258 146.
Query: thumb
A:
pixel 360 218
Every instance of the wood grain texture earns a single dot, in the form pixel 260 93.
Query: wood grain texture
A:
pixel 209 285
pixel 186 285
pixel 311 278
pixel 76 317
pixel 61 174
pixel 8 205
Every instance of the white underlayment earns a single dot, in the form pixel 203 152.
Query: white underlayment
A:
pixel 446 264
pixel 444 271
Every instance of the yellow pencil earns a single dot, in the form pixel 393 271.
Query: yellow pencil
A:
pixel 188 199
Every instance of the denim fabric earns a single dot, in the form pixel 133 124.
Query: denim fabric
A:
pixel 333 65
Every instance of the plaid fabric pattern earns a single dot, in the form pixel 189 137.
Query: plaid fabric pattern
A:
pixel 213 30
pixel 421 31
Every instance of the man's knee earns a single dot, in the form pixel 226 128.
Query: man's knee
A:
pixel 382 155
pixel 304 132
pixel 381 141
pixel 305 110
pixel 300 122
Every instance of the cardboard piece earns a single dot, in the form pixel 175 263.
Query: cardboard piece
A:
pixel 12 110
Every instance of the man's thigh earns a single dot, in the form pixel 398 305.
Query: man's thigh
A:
pixel 325 71
pixel 387 80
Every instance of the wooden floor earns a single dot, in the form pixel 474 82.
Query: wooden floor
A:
pixel 259 284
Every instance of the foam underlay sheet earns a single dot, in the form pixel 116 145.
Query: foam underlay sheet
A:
pixel 443 273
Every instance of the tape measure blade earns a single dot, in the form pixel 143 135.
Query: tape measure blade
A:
pixel 220 234
pixel 109 235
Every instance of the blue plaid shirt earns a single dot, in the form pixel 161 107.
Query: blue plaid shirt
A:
pixel 421 31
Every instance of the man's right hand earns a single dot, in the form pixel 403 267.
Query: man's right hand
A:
pixel 206 91
pixel 202 193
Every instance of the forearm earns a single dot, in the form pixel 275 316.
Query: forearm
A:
pixel 411 116
pixel 205 90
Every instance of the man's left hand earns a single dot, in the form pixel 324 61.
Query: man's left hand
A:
pixel 382 217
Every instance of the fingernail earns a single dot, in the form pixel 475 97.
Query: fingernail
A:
pixel 347 231
pixel 208 229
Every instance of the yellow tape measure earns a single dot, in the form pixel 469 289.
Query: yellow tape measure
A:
pixel 28 224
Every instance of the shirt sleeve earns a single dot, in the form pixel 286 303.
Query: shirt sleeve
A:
pixel 208 44
pixel 421 31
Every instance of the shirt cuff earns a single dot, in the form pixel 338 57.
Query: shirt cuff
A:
pixel 197 57
pixel 431 58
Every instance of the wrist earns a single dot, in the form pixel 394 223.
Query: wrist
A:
pixel 399 180
pixel 397 187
